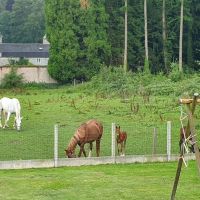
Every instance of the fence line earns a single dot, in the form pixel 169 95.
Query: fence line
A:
pixel 154 154
pixel 113 140
pixel 61 162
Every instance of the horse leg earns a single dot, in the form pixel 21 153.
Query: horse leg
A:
pixel 7 116
pixel 118 148
pixel 90 152
pixel 82 150
pixel 124 147
pixel 98 147
pixel 121 149
pixel 0 118
pixel 84 153
pixel 14 122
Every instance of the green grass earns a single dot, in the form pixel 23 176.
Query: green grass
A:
pixel 42 108
pixel 103 182
pixel 69 107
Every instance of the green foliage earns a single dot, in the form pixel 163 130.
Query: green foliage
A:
pixel 78 39
pixel 175 75
pixel 12 79
pixel 22 21
pixel 146 67
pixel 112 80
pixel 21 61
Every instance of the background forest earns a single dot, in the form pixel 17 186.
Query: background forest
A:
pixel 86 34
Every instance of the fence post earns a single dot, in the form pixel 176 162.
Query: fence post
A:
pixel 154 141
pixel 55 145
pixel 169 130
pixel 113 140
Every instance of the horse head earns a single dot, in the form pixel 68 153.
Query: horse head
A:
pixel 117 129
pixel 18 121
pixel 70 153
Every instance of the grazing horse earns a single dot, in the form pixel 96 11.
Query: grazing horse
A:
pixel 184 135
pixel 88 132
pixel 121 141
pixel 7 107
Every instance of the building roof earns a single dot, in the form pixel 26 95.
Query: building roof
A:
pixel 27 50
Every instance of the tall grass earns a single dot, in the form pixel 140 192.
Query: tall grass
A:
pixel 137 102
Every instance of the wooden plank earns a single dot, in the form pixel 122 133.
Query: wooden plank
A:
pixel 187 101
pixel 194 139
pixel 178 172
pixel 190 128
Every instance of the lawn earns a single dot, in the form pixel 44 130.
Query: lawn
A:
pixel 102 182
pixel 70 106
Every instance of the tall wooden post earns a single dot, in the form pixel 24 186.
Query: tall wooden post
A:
pixel 190 129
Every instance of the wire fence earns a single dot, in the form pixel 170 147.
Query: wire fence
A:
pixel 40 144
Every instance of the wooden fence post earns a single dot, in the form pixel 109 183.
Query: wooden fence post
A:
pixel 55 145
pixel 113 140
pixel 169 130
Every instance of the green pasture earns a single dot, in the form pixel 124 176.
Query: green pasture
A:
pixel 70 106
pixel 102 182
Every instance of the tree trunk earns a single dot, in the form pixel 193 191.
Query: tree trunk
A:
pixel 146 65
pixel 164 38
pixel 181 40
pixel 125 37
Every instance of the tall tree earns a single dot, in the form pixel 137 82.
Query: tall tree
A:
pixel 164 38
pixel 116 30
pixel 146 65
pixel 22 21
pixel 181 39
pixel 195 7
pixel 77 31
pixel 125 36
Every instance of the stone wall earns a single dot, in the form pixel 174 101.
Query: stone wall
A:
pixel 30 74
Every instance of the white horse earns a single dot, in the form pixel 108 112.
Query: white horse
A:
pixel 7 107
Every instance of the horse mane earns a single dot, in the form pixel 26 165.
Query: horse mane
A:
pixel 72 144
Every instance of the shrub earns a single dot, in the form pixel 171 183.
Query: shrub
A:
pixel 12 79
pixel 21 61
pixel 175 75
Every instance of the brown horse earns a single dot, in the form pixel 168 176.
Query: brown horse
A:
pixel 184 135
pixel 121 140
pixel 88 132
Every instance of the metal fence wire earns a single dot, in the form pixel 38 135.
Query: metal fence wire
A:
pixel 39 144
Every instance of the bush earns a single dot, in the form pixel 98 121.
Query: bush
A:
pixel 12 79
pixel 21 61
pixel 175 75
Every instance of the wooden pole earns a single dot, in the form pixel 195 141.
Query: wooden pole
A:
pixel 194 139
pixel 178 172
pixel 190 128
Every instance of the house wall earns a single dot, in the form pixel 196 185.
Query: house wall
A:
pixel 30 74
pixel 34 61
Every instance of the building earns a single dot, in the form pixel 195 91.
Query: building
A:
pixel 36 53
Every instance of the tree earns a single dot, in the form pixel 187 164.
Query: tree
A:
pixel 77 32
pixel 22 21
pixel 195 10
pixel 125 36
pixel 164 38
pixel 146 64
pixel 181 39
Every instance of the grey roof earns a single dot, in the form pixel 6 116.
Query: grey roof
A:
pixel 30 50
